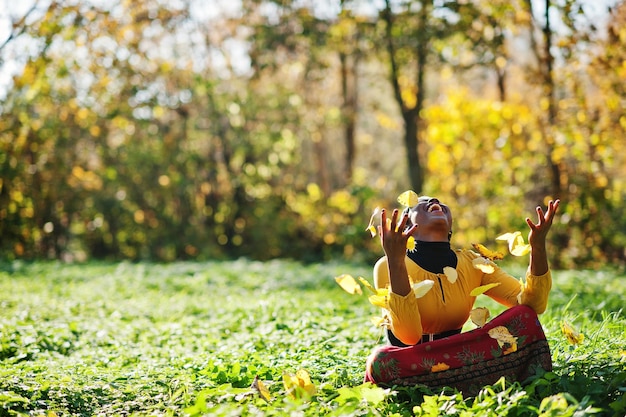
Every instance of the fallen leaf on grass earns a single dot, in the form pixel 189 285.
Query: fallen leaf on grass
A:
pixel 571 334
pixel 260 387
pixel 299 385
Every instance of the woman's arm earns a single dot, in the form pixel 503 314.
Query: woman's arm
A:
pixel 393 238
pixel 537 238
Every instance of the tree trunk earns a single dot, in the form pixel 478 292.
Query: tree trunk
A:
pixel 349 94
pixel 549 86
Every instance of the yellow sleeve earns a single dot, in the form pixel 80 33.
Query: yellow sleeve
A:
pixel 403 312
pixel 533 292
pixel 510 292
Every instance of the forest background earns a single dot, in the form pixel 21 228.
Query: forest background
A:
pixel 186 129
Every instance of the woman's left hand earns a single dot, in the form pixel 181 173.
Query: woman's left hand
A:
pixel 539 232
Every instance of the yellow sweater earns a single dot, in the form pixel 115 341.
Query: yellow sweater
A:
pixel 447 305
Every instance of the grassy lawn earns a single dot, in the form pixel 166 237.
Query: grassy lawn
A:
pixel 189 338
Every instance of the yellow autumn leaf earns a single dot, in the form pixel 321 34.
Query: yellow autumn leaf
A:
pixel 378 300
pixel 572 335
pixel 450 273
pixel 260 387
pixel 367 285
pixel 298 385
pixel 408 198
pixel 483 289
pixel 484 265
pixel 421 288
pixel 510 349
pixel 517 245
pixel 479 316
pixel 374 220
pixel 382 321
pixel 410 243
pixel 441 366
pixel 487 253
pixel 502 335
pixel 349 284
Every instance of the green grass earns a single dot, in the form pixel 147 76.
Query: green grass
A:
pixel 189 338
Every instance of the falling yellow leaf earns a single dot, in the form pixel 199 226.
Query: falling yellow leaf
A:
pixel 450 273
pixel 374 220
pixel 349 284
pixel 440 367
pixel 410 243
pixel 517 246
pixel 479 316
pixel 260 387
pixel 379 300
pixel 572 335
pixel 421 288
pixel 502 335
pixel 487 253
pixel 382 321
pixel 483 289
pixel 298 385
pixel 408 198
pixel 484 265
pixel 367 285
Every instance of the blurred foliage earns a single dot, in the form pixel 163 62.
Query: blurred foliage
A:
pixel 144 130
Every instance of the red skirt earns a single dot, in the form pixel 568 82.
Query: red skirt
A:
pixel 467 361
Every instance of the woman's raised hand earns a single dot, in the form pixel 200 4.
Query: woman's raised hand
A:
pixel 393 236
pixel 539 231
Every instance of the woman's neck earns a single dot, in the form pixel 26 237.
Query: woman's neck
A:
pixel 433 256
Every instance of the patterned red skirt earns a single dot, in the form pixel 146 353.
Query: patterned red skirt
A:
pixel 470 360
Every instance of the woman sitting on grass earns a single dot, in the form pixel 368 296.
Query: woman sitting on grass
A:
pixel 426 344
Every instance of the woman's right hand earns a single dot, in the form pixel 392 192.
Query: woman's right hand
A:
pixel 393 236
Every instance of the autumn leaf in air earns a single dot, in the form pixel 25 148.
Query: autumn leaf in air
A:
pixel 450 273
pixel 421 288
pixel 487 253
pixel 408 198
pixel 484 265
pixel 349 284
pixel 483 289
pixel 479 316
pixel 517 245
pixel 374 221
pixel 380 300
pixel 367 285
pixel 382 321
pixel 410 243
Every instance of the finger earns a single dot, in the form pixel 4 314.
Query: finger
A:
pixel 540 215
pixel 383 222
pixel 403 221
pixel 411 230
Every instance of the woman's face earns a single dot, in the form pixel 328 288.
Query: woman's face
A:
pixel 430 211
